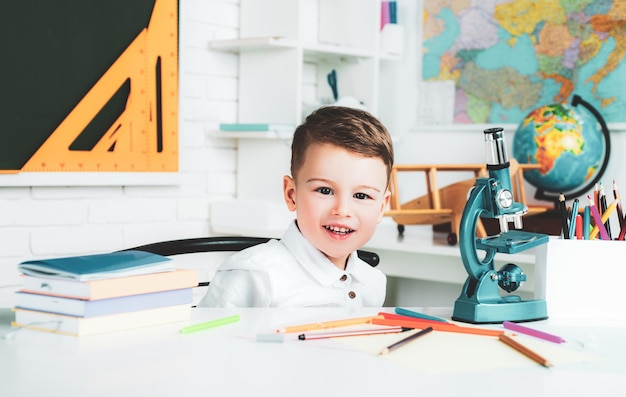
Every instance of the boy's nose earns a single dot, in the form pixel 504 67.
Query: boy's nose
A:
pixel 342 206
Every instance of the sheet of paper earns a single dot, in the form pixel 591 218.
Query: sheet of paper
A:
pixel 435 102
pixel 447 352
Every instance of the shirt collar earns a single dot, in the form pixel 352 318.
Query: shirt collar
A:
pixel 313 260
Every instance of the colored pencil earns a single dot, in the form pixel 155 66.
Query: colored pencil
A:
pixel 209 324
pixel 411 313
pixel 603 221
pixel 603 209
pixel 620 212
pixel 524 350
pixel 532 332
pixel 586 222
pixel 563 211
pixel 357 332
pixel 579 227
pixel 598 220
pixel 406 340
pixel 572 222
pixel 437 326
pixel 328 324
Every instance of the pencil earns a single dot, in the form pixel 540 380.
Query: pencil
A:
pixel 328 324
pixel 438 326
pixel 524 350
pixel 563 210
pixel 532 332
pixel 604 220
pixel 356 332
pixel 411 313
pixel 603 209
pixel 406 340
pixel 572 222
pixel 579 227
pixel 620 212
pixel 209 324
pixel 622 233
pixel 586 222
pixel 598 219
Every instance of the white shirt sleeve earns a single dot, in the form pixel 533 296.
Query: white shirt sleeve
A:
pixel 238 288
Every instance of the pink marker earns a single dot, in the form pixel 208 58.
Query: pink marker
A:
pixel 532 332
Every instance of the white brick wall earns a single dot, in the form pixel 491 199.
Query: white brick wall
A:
pixel 40 222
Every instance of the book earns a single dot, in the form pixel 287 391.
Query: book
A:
pixel 98 266
pixel 103 307
pixel 85 326
pixel 272 127
pixel 111 287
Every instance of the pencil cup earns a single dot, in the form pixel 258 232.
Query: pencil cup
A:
pixel 582 279
pixel 392 39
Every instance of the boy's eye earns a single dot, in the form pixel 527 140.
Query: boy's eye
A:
pixel 324 190
pixel 361 196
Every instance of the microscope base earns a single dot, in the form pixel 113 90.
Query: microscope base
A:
pixel 494 313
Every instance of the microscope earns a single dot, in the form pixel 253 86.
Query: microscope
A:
pixel 480 301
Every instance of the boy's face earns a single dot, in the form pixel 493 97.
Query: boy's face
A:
pixel 340 197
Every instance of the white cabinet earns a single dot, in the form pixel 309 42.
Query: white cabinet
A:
pixel 286 50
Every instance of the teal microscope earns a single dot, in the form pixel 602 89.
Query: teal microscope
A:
pixel 480 301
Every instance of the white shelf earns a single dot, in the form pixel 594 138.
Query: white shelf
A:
pixel 253 43
pixel 284 58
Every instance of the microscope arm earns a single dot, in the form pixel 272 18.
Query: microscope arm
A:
pixel 475 206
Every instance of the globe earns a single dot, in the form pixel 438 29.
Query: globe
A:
pixel 568 142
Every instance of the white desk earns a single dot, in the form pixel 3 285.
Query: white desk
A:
pixel 227 361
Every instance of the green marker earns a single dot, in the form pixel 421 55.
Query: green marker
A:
pixel 209 324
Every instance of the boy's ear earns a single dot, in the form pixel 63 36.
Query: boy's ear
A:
pixel 384 205
pixel 289 192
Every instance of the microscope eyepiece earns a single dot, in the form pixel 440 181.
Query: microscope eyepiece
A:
pixel 496 148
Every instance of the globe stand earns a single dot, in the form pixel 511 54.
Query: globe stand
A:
pixel 541 194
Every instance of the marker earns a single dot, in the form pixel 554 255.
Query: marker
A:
pixel 532 332
pixel 209 324
pixel 404 341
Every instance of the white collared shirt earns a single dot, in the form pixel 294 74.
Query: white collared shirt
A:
pixel 291 272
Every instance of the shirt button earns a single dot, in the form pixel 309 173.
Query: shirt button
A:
pixel 343 278
pixel 352 294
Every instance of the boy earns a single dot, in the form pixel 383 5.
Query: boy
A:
pixel 341 160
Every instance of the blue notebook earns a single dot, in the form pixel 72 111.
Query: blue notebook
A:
pixel 98 266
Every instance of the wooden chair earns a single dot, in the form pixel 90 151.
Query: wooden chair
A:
pixel 446 204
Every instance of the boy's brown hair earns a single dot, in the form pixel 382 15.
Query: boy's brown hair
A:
pixel 354 130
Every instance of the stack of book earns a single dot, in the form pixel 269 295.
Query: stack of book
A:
pixel 94 294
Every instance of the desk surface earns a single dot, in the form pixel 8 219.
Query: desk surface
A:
pixel 159 361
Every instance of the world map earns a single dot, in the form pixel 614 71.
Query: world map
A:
pixel 508 57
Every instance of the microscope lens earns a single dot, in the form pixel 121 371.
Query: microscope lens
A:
pixel 495 146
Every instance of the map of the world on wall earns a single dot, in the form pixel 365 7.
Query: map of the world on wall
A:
pixel 507 57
